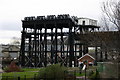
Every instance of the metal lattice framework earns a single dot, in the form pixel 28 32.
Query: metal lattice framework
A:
pixel 50 40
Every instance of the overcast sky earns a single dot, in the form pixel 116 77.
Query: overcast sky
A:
pixel 13 11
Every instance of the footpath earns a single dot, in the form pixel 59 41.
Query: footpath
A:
pixel 1 71
pixel 81 78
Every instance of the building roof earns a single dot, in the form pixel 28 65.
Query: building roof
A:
pixel 11 48
pixel 86 55
pixel 86 18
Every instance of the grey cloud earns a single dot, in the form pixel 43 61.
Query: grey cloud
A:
pixel 12 26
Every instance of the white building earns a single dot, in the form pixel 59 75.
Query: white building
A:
pixel 9 51
pixel 87 21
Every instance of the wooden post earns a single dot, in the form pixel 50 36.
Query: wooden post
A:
pixel 45 39
pixel 56 44
pixel 35 39
pixel 71 48
pixel 22 51
pixel 96 59
pixel 52 49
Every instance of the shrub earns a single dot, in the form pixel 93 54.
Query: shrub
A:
pixel 95 75
pixel 54 71
pixel 12 68
pixel 90 73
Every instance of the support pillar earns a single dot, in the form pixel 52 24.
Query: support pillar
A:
pixel 96 56
pixel 71 51
pixel 22 53
pixel 45 52
pixel 52 48
pixel 55 44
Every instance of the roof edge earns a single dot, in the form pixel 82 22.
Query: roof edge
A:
pixel 88 55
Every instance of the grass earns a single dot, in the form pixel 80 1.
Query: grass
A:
pixel 28 73
pixel 31 72
pixel 31 69
pixel 21 74
pixel 78 74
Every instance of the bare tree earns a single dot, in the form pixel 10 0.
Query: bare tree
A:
pixel 104 24
pixel 111 9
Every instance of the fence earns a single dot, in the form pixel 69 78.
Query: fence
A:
pixel 18 78
pixel 71 75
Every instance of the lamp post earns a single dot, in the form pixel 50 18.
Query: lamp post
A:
pixel 85 67
pixel 85 73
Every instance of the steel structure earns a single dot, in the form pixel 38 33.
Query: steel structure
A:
pixel 50 40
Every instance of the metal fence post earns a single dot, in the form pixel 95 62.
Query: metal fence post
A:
pixel 45 76
pixel 34 76
pixel 74 74
pixel 64 75
pixel 85 73
pixel 18 78
pixel 6 77
pixel 25 77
